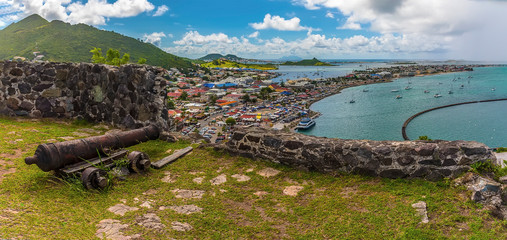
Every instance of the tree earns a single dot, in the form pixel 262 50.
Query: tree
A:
pixel 112 57
pixel 230 121
pixel 183 96
pixel 170 104
pixel 141 61
pixel 246 98
pixel 213 99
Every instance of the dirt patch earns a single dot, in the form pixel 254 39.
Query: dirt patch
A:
pixel 241 177
pixel 349 192
pixel 268 172
pixel 292 190
pixel 17 154
pixel 168 178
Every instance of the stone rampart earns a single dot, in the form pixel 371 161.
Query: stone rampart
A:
pixel 129 96
pixel 431 160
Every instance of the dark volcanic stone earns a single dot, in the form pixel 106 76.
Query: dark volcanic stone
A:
pixel 430 162
pixel 254 139
pixel 448 162
pixel 406 160
pixel 16 72
pixel 41 87
pixel 24 88
pixel 272 142
pixel 26 105
pixel 425 150
pixel 13 103
pixel 292 145
pixel 42 104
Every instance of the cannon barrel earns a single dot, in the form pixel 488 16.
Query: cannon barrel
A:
pixel 53 156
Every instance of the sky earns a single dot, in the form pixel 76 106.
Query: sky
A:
pixel 271 29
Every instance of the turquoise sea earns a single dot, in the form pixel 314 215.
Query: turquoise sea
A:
pixel 378 115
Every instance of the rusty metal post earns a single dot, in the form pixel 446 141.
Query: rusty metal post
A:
pixel 53 156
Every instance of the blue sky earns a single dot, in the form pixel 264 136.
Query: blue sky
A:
pixel 270 29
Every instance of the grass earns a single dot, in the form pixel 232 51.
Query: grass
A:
pixel 37 205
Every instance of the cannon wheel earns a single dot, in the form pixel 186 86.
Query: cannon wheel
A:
pixel 138 162
pixel 94 178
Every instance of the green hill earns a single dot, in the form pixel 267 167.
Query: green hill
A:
pixel 218 63
pixel 63 42
pixel 307 62
pixel 215 56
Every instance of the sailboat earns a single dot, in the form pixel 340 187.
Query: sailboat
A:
pixel 399 97
pixel 450 91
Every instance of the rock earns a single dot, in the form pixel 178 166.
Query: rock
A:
pixel 503 180
pixel 186 209
pixel 168 137
pixel 198 180
pixel 219 180
pixel 292 190
pixel 182 193
pixel 111 229
pixel 241 177
pixel 151 221
pixel 268 172
pixel 120 172
pixel 146 204
pixel 182 227
pixel 168 178
pixel 121 209
pixel 420 207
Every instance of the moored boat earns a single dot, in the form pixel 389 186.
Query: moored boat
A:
pixel 305 123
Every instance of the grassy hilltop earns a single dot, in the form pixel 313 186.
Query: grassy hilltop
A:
pixel 220 63
pixel 59 41
pixel 37 205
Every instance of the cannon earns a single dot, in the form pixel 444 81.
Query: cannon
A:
pixel 89 157
pixel 54 156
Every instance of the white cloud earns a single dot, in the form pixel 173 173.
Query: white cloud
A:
pixel 93 12
pixel 329 15
pixel 279 23
pixel 154 38
pixel 161 10
pixel 194 38
pixel 254 34
pixel 472 26
pixel 194 44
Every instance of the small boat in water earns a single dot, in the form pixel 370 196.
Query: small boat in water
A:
pixel 437 95
pixel 365 90
pixel 493 89
pixel 352 101
pixel 305 123
pixel 451 92
pixel 408 88
pixel 426 91
pixel 395 90
pixel 399 97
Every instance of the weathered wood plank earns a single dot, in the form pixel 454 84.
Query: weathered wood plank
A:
pixel 171 158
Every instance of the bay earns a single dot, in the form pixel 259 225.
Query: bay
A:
pixel 378 115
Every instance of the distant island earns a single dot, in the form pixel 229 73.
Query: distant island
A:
pixel 215 56
pixel 223 63
pixel 307 62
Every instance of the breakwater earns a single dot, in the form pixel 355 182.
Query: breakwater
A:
pixel 431 160
pixel 405 124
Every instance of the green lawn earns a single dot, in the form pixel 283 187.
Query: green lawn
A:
pixel 37 205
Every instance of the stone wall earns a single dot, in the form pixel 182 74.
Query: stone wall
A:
pixel 413 159
pixel 129 96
